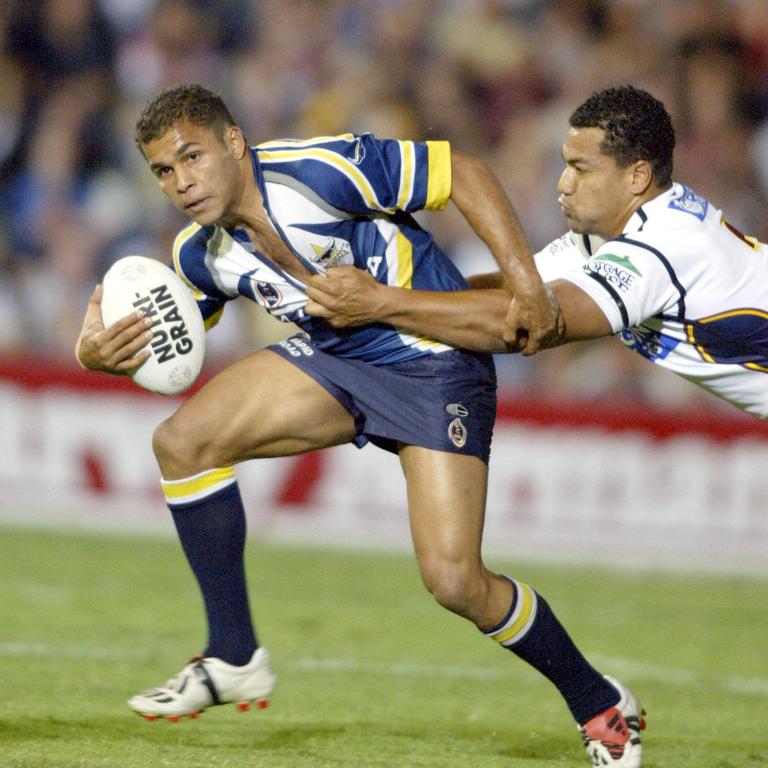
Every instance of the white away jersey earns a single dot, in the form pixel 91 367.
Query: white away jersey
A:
pixel 684 289
pixel 333 200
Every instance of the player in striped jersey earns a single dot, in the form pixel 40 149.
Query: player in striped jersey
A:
pixel 265 221
pixel 646 259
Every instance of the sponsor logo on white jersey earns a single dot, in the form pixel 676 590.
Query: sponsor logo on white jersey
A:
pixel 617 270
pixel 691 203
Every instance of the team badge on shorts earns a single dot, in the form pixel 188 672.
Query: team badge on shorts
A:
pixel 457 432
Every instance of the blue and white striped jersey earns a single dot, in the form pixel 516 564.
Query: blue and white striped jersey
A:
pixel 684 289
pixel 332 200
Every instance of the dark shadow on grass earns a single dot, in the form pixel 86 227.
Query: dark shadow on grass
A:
pixel 44 727
pixel 471 739
pixel 302 738
pixel 533 747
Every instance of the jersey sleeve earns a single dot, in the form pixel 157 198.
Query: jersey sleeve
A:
pixel 567 252
pixel 363 175
pixel 189 249
pixel 629 280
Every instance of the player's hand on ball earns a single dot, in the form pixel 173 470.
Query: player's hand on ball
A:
pixel 119 348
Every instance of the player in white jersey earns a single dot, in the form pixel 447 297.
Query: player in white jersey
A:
pixel 265 221
pixel 646 259
pixel 706 320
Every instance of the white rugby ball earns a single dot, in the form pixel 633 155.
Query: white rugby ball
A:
pixel 177 345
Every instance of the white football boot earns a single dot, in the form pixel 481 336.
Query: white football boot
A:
pixel 612 738
pixel 205 682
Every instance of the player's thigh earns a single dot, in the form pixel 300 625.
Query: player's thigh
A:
pixel 446 504
pixel 261 406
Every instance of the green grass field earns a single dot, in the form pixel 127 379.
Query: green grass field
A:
pixel 372 672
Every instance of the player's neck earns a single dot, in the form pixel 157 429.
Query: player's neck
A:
pixel 248 210
pixel 635 205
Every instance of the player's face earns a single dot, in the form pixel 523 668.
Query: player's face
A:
pixel 595 194
pixel 199 171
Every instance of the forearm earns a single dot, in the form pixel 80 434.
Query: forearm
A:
pixel 472 319
pixel 479 196
pixel 487 280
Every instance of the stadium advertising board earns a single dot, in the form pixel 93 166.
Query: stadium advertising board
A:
pixel 672 489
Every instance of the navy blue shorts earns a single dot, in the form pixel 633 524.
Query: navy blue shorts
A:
pixel 445 401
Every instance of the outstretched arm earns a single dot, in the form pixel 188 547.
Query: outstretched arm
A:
pixel 472 319
pixel 476 192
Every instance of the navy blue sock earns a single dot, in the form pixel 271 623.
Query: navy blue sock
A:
pixel 532 632
pixel 212 534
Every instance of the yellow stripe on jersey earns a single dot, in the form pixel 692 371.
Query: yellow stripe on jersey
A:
pixel 213 320
pixel 182 238
pixel 521 619
pixel 690 330
pixel 353 173
pixel 404 261
pixel 198 295
pixel 198 486
pixel 408 161
pixel 733 313
pixel 692 341
pixel 439 179
pixel 405 280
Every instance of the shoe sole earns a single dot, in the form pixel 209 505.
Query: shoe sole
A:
pixel 240 706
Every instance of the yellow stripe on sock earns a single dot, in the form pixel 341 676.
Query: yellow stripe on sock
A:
pixel 197 485
pixel 521 619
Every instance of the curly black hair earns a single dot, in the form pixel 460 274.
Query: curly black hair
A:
pixel 636 125
pixel 173 105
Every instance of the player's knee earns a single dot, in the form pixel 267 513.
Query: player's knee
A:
pixel 166 442
pixel 456 586
pixel 177 448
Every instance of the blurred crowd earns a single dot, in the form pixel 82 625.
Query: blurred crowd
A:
pixel 496 77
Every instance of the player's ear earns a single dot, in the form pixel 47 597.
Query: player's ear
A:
pixel 234 139
pixel 642 177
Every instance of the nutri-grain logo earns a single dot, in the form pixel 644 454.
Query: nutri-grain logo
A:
pixel 170 336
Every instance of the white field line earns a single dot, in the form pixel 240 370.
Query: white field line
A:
pixel 757 686
pixel 629 668
pixel 66 651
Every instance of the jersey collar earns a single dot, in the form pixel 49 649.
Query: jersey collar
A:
pixel 639 218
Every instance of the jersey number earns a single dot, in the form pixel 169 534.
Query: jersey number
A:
pixel 373 264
